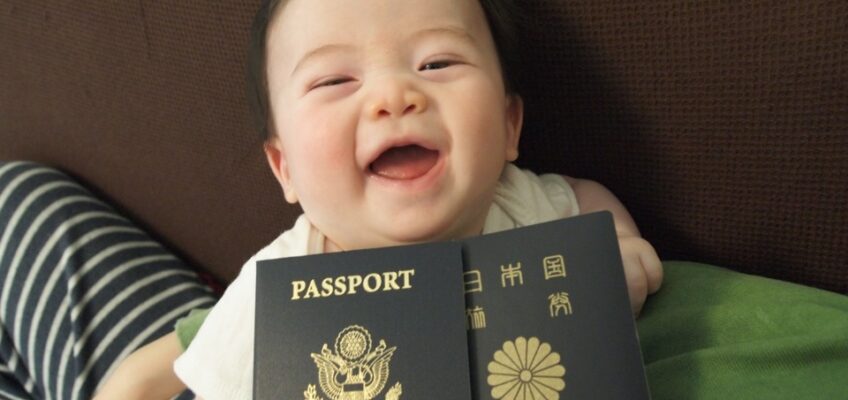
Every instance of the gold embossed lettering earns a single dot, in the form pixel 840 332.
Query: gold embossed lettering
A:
pixel 390 281
pixel 406 275
pixel 326 287
pixel 297 287
pixel 348 284
pixel 341 286
pixel 312 290
pixel 353 282
pixel 372 278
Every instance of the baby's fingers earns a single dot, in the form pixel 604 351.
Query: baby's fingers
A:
pixel 642 270
pixel 653 267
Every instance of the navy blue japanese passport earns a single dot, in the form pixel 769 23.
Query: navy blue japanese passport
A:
pixel 548 313
pixel 539 312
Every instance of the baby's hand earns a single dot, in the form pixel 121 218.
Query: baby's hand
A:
pixel 642 270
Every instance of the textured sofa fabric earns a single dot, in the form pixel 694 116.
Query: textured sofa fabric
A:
pixel 722 126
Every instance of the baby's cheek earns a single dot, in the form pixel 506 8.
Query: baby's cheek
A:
pixel 483 107
pixel 333 161
pixel 332 130
pixel 325 144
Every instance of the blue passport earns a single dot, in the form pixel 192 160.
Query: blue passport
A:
pixel 548 314
pixel 539 312
pixel 384 323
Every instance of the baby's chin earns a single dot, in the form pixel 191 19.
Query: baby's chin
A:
pixel 401 237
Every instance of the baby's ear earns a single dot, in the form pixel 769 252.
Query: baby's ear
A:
pixel 277 161
pixel 514 119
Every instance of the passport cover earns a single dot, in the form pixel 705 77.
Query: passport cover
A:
pixel 370 324
pixel 545 315
pixel 548 313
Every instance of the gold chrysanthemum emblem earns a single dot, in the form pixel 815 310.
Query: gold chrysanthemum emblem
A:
pixel 526 369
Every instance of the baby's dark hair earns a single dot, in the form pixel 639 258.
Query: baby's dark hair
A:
pixel 501 15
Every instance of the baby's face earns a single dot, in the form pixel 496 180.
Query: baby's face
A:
pixel 392 121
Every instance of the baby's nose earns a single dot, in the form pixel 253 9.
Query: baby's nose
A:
pixel 397 101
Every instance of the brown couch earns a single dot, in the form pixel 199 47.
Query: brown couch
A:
pixel 722 126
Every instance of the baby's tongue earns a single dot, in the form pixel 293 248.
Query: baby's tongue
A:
pixel 407 162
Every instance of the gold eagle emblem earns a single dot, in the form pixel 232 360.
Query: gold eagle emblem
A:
pixel 353 371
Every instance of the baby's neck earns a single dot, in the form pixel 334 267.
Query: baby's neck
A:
pixel 330 246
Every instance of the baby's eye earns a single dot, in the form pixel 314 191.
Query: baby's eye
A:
pixel 331 82
pixel 435 65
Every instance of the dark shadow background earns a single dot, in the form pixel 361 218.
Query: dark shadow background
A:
pixel 723 127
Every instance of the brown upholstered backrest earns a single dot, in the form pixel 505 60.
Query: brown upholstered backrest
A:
pixel 723 126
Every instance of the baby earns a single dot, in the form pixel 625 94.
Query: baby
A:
pixel 390 122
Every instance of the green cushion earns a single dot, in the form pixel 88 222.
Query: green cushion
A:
pixel 188 326
pixel 711 333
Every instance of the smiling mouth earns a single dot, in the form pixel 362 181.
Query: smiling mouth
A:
pixel 404 162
